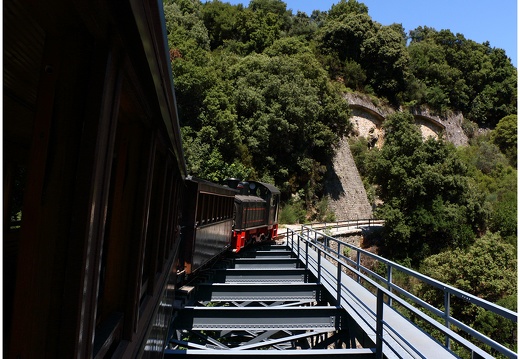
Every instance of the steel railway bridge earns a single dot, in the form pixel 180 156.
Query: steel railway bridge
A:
pixel 311 296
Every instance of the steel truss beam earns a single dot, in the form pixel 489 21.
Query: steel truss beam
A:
pixel 300 354
pixel 265 307
pixel 264 318
pixel 269 254
pixel 265 263
pixel 299 275
pixel 302 292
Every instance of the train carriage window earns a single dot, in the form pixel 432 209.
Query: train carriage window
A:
pixel 211 213
pixel 170 214
pixel 167 216
pixel 218 208
pixel 218 211
pixel 124 244
pixel 211 209
pixel 231 207
pixel 151 263
pixel 14 180
pixel 200 210
pixel 207 210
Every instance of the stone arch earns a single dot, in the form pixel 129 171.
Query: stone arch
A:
pixel 429 127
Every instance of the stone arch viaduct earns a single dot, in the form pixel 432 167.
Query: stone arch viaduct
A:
pixel 368 119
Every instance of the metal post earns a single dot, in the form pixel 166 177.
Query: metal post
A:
pixel 389 280
pixel 379 325
pixel 338 286
pixel 299 245
pixel 447 316
pixel 319 264
pixel 306 254
pixel 358 261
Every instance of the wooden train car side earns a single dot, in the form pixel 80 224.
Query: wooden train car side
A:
pixel 207 223
pixel 93 178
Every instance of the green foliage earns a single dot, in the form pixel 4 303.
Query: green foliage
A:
pixel 344 37
pixel 430 203
pixel 292 212
pixel 505 137
pixel 323 213
pixel 498 181
pixel 486 269
pixel 386 61
pixel 459 74
pixel 289 115
pixel 344 7
pixel 276 115
pixel 497 327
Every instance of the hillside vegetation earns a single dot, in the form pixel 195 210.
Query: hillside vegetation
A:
pixel 260 94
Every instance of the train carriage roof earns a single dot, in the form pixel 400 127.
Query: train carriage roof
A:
pixel 210 187
pixel 248 199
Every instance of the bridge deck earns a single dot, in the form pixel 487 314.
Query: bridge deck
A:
pixel 269 299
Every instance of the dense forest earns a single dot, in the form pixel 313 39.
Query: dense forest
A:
pixel 260 94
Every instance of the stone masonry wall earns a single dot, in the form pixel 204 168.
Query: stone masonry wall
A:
pixel 347 195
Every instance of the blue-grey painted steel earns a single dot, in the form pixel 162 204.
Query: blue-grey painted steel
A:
pixel 260 318
pixel 253 311
pixel 268 254
pixel 261 276
pixel 300 354
pixel 309 292
pixel 265 263
pixel 361 305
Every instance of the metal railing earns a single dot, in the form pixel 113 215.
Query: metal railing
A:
pixel 346 223
pixel 384 286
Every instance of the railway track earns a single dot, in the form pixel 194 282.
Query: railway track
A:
pixel 263 303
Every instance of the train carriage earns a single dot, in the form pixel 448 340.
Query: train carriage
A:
pixel 94 178
pixel 207 223
pixel 256 213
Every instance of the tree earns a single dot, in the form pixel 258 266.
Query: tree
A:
pixel 462 75
pixel 220 20
pixel 497 180
pixel 429 201
pixel 345 7
pixel 189 52
pixel 345 36
pixel 386 62
pixel 289 115
pixel 505 137
pixel 303 26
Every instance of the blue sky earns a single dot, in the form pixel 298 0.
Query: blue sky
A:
pixel 477 20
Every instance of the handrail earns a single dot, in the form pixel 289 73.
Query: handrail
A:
pixel 309 236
